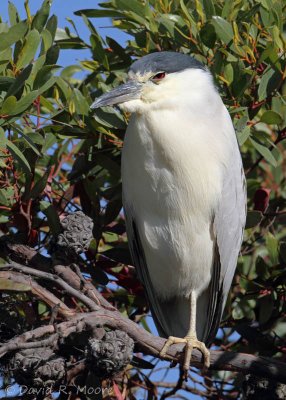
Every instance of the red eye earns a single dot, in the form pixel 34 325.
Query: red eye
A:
pixel 159 76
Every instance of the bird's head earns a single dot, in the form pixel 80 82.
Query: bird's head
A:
pixel 159 80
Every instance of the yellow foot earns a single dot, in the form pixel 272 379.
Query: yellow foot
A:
pixel 191 343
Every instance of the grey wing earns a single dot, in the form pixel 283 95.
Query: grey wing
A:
pixel 228 227
pixel 138 257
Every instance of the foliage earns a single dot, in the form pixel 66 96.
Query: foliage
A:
pixel 56 156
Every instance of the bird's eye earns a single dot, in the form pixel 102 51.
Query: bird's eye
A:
pixel 159 76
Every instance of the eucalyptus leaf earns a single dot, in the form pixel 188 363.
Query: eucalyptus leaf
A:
pixel 13 14
pixel 15 33
pixel 253 219
pixel 42 15
pixel 223 29
pixel 264 151
pixel 271 117
pixel 53 218
pixel 28 51
pixel 19 82
pixel 19 156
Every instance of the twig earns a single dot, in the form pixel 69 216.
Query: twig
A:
pixel 75 281
pixel 185 387
pixel 49 342
pixel 176 387
pixel 32 258
pixel 37 290
pixel 56 279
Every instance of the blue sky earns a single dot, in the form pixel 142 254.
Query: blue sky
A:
pixel 65 9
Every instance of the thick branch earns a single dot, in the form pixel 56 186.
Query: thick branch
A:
pixel 24 255
pixel 104 314
pixel 151 345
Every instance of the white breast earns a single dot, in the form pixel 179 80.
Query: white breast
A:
pixel 172 179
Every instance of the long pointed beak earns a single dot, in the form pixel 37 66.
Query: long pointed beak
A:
pixel 130 90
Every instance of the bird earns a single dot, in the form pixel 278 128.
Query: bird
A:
pixel 184 195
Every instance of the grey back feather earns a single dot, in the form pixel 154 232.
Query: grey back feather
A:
pixel 228 227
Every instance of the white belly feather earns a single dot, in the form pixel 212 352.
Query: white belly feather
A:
pixel 172 181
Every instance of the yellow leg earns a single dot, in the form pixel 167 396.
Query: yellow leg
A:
pixel 190 340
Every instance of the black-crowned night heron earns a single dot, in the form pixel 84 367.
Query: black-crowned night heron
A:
pixel 183 194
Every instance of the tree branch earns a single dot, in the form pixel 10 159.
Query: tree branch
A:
pixel 57 280
pixel 152 345
pixel 30 257
pixel 104 314
pixel 27 283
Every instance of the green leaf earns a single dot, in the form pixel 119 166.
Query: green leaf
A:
pixel 30 143
pixel 36 67
pixel 23 103
pixel 4 219
pixel 82 106
pixel 208 35
pixel 98 50
pixel 13 14
pixel 262 89
pixel 20 81
pixel 15 33
pixel 52 55
pixel 42 308
pixel 47 41
pixel 44 75
pixel 135 6
pixel 69 71
pixel 52 26
pixel 253 219
pixel 8 105
pixel 52 216
pixel 272 247
pixel 271 118
pixel 228 73
pixel 26 101
pixel 266 308
pixel 118 50
pixel 243 135
pixel 16 152
pixel 265 152
pixel 94 13
pixel 223 29
pixel 6 82
pixel 41 16
pixel 29 49
pixel 39 185
pixel 209 8
pixel 7 196
pixel 109 118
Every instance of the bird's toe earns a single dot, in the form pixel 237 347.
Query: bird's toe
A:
pixel 190 344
